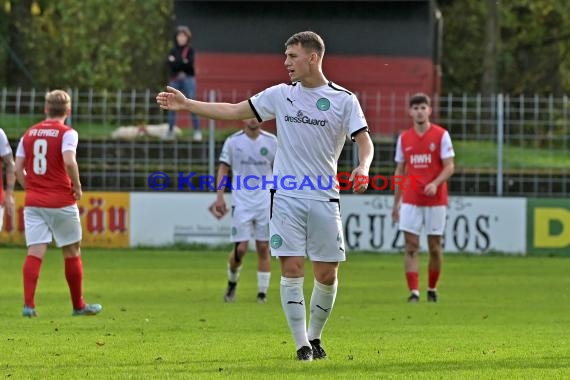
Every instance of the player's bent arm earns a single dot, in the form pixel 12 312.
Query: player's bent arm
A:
pixel 72 168
pixel 447 171
pixel 398 173
pixel 223 171
pixel 10 168
pixel 20 172
pixel 365 150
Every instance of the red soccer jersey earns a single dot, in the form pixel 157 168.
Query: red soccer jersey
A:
pixel 47 182
pixel 422 156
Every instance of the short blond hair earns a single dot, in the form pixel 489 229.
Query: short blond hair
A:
pixel 58 103
pixel 308 40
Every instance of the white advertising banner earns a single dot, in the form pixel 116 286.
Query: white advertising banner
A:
pixel 169 218
pixel 474 224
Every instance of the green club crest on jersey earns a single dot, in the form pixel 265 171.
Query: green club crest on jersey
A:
pixel 263 151
pixel 276 241
pixel 323 104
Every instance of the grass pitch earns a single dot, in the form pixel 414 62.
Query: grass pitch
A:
pixel 163 317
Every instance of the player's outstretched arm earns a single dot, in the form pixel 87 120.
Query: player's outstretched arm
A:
pixel 174 100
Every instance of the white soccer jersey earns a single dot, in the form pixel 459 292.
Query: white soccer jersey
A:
pixel 4 144
pixel 254 158
pixel 312 125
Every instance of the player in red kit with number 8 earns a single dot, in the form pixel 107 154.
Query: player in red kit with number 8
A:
pixel 425 153
pixel 47 169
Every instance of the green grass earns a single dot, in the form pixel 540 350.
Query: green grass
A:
pixel 163 317
pixel 15 126
pixel 483 154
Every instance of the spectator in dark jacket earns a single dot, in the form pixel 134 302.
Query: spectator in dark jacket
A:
pixel 182 75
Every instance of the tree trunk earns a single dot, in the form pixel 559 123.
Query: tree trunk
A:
pixel 20 17
pixel 489 83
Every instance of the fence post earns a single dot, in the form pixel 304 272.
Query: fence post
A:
pixel 500 137
pixel 75 104
pixel 3 102
pixel 32 103
pixel 104 106
pixel 90 107
pixel 133 106
pixel 211 138
pixel 18 103
pixel 118 107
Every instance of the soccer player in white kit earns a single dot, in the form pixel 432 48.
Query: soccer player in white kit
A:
pixel 314 116
pixel 249 154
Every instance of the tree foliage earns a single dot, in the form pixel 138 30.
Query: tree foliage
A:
pixel 533 48
pixel 98 43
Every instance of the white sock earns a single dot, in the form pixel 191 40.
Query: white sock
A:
pixel 233 276
pixel 293 303
pixel 416 292
pixel 263 281
pixel 322 301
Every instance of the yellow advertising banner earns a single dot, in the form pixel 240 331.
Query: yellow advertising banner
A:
pixel 104 218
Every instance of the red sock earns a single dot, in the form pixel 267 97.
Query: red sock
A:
pixel 433 276
pixel 31 272
pixel 413 282
pixel 74 277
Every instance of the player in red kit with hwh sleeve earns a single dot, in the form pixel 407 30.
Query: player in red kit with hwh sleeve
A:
pixel 47 169
pixel 424 155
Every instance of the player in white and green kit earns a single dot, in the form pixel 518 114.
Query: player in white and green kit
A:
pixel 249 154
pixel 314 116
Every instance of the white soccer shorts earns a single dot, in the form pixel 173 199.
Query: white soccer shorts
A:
pixel 306 227
pixel 248 223
pixel 1 217
pixel 413 217
pixel 63 223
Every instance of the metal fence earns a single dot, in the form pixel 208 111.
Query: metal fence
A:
pixel 505 145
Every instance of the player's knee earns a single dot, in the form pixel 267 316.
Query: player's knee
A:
pixel 325 274
pixel 412 249
pixel 292 266
pixel 327 278
pixel 241 250
pixel 434 246
pixel 264 255
pixel 71 250
pixel 435 251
